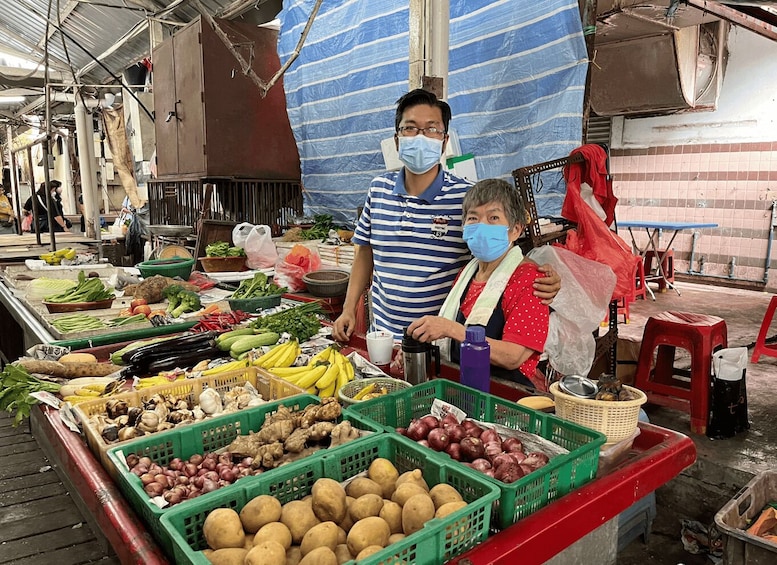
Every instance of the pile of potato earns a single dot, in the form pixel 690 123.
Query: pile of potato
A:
pixel 333 524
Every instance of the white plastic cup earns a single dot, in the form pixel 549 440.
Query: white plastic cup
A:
pixel 380 347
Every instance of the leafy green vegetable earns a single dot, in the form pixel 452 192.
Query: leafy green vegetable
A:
pixel 16 384
pixel 87 290
pixel 301 321
pixel 222 249
pixel 259 285
pixel 320 230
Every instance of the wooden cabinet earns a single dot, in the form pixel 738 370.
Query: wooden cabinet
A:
pixel 210 119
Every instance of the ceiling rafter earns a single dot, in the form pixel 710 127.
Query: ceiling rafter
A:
pixel 68 8
pixel 53 61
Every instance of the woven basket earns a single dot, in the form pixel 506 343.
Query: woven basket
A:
pixel 615 419
pixel 326 283
pixel 351 389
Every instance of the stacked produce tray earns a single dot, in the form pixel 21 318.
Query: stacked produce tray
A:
pixel 268 385
pixel 439 540
pixel 563 474
pixel 208 436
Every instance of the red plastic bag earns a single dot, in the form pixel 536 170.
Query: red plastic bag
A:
pixel 594 240
pixel 300 261
pixel 27 223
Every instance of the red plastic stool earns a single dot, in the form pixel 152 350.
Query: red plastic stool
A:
pixel 667 265
pixel 698 334
pixel 760 344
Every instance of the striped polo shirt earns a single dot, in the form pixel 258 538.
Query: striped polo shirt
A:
pixel 417 246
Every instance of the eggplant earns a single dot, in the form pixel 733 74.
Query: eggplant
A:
pixel 185 359
pixel 185 343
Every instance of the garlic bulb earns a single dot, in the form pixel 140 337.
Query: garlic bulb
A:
pixel 210 401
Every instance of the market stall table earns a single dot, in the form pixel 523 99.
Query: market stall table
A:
pixel 653 230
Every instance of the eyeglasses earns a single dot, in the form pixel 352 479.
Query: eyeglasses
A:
pixel 412 131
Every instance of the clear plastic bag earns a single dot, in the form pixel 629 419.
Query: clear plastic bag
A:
pixel 578 308
pixel 260 248
pixel 240 234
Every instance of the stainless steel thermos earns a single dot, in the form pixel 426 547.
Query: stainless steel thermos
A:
pixel 417 357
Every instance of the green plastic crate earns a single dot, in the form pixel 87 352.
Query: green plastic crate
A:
pixel 203 437
pixel 439 540
pixel 532 492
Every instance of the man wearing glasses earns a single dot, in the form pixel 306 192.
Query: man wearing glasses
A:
pixel 408 239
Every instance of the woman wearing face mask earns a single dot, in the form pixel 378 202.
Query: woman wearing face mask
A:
pixel 495 289
pixel 60 222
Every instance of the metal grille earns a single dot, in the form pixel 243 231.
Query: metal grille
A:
pixel 599 130
pixel 268 202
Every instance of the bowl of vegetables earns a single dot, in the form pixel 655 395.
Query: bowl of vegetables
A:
pixel 220 257
pixel 256 293
pixel 89 293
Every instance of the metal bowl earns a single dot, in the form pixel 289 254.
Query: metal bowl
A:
pixel 170 231
pixel 578 386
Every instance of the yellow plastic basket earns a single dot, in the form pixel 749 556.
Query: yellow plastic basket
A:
pixel 351 389
pixel 269 386
pixel 615 419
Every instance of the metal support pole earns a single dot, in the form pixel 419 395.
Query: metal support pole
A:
pixel 15 192
pixel 85 140
pixel 33 197
pixel 589 32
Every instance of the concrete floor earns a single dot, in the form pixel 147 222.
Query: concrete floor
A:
pixel 723 467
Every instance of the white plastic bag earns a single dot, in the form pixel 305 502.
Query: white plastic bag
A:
pixel 240 234
pixel 578 308
pixel 260 248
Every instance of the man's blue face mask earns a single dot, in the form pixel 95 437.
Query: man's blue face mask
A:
pixel 487 242
pixel 419 153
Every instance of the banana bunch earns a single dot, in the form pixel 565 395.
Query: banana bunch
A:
pixel 76 393
pixel 282 355
pixel 55 257
pixel 326 372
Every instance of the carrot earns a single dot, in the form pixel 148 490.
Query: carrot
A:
pixel 212 309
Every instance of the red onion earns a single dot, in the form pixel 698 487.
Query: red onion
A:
pixel 492 448
pixel 535 459
pixel 448 420
pixel 490 435
pixel 211 476
pixel 190 469
pixel 438 439
pixel 508 472
pixel 245 472
pixel 472 429
pixel 512 444
pixel 209 486
pixel 196 459
pixel 454 450
pixel 489 472
pixel 175 464
pixel 160 478
pixel 182 480
pixel 197 481
pixel 417 430
pixel 201 471
pixel 502 458
pixel 228 475
pixel 209 464
pixel 147 478
pixel 517 456
pixel 145 461
pixel 140 468
pixel 132 460
pixel 526 469
pixel 456 433
pixel 172 497
pixel 471 448
pixel 154 489
pixel 481 464
pixel 431 421
pixel 402 431
pixel 247 461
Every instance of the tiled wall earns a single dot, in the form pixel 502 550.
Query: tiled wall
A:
pixel 730 184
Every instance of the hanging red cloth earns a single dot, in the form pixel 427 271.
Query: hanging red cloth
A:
pixel 592 171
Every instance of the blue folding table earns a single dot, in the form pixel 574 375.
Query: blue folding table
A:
pixel 653 230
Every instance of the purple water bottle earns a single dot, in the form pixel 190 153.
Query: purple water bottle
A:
pixel 475 363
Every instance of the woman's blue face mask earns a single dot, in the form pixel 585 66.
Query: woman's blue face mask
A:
pixel 487 242
pixel 419 153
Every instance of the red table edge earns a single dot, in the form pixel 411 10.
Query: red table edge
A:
pixel 127 535
pixel 590 506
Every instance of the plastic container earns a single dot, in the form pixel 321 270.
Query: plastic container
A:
pixel 204 437
pixel 475 362
pixel 519 499
pixel 269 386
pixel 252 305
pixel 616 419
pixel 175 267
pixel 739 547
pixel 352 388
pixel 438 541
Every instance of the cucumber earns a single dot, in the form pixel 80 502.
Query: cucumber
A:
pixel 234 333
pixel 249 342
pixel 226 344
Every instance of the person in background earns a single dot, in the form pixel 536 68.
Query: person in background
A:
pixel 409 243
pixel 494 290
pixel 60 222
pixel 7 216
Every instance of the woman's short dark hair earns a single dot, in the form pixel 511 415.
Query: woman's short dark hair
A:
pixel 416 98
pixel 497 190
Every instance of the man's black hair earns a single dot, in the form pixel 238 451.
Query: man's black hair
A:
pixel 417 97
